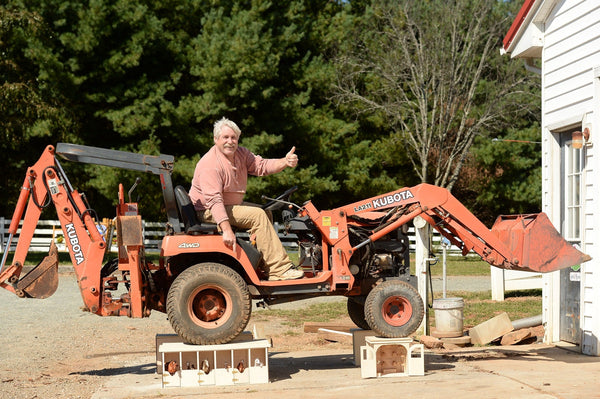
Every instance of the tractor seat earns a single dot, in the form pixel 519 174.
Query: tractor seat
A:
pixel 192 225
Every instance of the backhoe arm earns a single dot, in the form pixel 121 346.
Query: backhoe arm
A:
pixel 46 183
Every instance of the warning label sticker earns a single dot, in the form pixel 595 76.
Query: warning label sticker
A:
pixel 333 233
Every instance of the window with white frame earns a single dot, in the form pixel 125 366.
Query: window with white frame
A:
pixel 573 168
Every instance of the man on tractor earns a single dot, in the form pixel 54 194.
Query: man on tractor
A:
pixel 218 189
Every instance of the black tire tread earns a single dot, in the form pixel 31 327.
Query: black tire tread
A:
pixel 356 311
pixel 204 270
pixel 375 300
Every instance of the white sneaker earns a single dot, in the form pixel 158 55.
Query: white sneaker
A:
pixel 289 274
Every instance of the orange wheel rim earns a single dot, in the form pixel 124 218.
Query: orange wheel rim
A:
pixel 209 306
pixel 396 311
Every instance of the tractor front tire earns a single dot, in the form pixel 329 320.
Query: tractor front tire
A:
pixel 356 311
pixel 208 304
pixel 394 309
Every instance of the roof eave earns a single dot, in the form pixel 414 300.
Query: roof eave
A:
pixel 518 25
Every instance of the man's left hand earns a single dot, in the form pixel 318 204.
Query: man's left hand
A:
pixel 291 159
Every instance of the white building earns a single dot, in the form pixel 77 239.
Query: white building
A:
pixel 565 36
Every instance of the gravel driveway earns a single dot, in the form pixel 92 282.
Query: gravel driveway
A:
pixel 50 348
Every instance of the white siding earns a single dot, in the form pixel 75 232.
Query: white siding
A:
pixel 590 281
pixel 571 51
pixel 571 95
pixel 590 311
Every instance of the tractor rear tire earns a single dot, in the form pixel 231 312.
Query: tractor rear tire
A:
pixel 394 309
pixel 208 304
pixel 356 311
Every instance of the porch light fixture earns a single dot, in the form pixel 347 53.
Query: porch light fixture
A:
pixel 578 138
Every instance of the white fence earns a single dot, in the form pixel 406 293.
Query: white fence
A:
pixel 512 280
pixel 48 230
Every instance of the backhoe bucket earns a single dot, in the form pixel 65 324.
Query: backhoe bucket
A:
pixel 42 281
pixel 535 244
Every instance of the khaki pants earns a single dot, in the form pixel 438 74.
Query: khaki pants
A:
pixel 257 222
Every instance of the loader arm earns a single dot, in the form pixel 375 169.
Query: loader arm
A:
pixel 519 242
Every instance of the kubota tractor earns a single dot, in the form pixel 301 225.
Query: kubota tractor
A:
pixel 360 251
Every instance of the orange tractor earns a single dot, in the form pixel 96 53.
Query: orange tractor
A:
pixel 360 251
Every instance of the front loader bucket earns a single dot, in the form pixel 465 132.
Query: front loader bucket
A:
pixel 535 244
pixel 42 281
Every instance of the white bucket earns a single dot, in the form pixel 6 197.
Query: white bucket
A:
pixel 449 316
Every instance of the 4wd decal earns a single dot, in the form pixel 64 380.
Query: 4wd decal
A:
pixel 185 245
pixel 392 199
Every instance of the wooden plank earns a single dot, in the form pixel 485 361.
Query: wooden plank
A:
pixel 515 337
pixel 431 342
pixel 313 327
pixel 335 336
pixel 490 330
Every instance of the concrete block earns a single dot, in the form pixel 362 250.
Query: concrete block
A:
pixel 164 338
pixel 358 340
pixel 490 330
pixel 161 339
pixel 516 337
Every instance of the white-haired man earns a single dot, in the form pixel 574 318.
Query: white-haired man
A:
pixel 218 189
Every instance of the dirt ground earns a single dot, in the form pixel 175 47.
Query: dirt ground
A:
pixel 51 348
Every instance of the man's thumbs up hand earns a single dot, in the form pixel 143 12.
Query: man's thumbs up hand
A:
pixel 291 159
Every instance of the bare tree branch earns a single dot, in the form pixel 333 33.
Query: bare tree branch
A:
pixel 426 66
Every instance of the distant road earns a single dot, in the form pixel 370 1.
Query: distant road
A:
pixel 463 283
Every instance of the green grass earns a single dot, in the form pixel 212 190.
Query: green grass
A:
pixel 462 266
pixel 458 266
pixel 33 258
pixel 479 307
pixel 321 312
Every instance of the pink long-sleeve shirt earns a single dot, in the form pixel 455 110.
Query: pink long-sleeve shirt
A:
pixel 218 182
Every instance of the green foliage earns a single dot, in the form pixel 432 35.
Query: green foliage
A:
pixel 429 72
pixel 152 77
pixel 509 179
pixel 32 113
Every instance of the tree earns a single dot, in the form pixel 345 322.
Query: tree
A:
pixel 153 76
pixel 503 176
pixel 32 112
pixel 428 70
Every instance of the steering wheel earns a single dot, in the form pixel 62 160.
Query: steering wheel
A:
pixel 274 204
